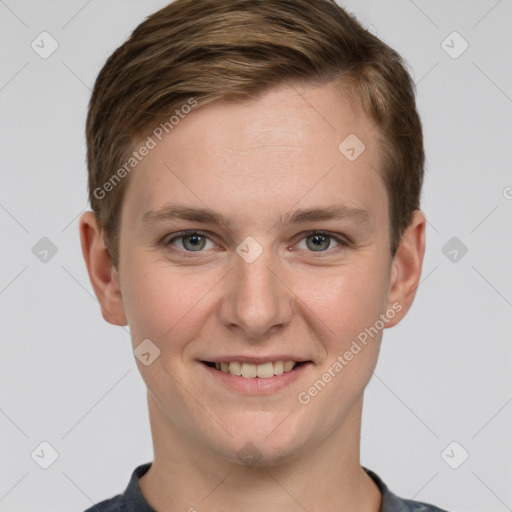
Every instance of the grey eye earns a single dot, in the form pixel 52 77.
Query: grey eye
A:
pixel 318 242
pixel 191 242
pixel 196 242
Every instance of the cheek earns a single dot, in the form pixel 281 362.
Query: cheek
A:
pixel 347 314
pixel 163 303
pixel 346 299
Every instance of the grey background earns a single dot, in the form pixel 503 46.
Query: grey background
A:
pixel 69 378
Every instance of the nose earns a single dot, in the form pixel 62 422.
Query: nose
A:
pixel 257 300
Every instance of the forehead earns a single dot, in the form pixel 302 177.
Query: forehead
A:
pixel 292 144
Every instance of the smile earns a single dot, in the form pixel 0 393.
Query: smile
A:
pixel 252 371
pixel 264 378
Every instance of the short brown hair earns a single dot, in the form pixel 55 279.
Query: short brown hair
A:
pixel 234 49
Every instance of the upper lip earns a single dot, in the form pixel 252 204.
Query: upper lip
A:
pixel 254 360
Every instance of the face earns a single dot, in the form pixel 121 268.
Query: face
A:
pixel 266 285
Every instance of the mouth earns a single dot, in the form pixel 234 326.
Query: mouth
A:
pixel 264 370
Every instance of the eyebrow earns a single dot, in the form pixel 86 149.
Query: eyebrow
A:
pixel 174 211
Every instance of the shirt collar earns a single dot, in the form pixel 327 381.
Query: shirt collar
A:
pixel 390 501
pixel 134 495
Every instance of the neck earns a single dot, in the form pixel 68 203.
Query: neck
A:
pixel 328 477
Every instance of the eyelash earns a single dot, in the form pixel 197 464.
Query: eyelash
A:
pixel 343 243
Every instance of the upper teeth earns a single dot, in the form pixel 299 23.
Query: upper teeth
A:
pixel 249 370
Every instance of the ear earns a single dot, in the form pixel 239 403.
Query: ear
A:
pixel 406 267
pixel 102 274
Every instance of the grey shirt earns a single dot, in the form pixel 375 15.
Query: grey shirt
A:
pixel 132 500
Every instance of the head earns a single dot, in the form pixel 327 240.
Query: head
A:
pixel 254 112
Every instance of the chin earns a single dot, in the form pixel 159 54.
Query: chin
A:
pixel 258 455
pixel 265 446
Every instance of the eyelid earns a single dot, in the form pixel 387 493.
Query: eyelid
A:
pixel 342 240
pixel 183 234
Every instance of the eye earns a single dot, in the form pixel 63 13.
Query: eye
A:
pixel 192 241
pixel 320 241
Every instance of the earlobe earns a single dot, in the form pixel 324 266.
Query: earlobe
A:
pixel 407 265
pixel 102 274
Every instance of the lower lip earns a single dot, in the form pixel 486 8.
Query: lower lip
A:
pixel 257 385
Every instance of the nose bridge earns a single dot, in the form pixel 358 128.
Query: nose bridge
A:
pixel 257 301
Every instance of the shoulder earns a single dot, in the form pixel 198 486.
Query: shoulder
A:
pixel 114 504
pixel 418 506
pixel 393 503
pixel 131 500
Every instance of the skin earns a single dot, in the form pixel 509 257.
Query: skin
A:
pixel 256 161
